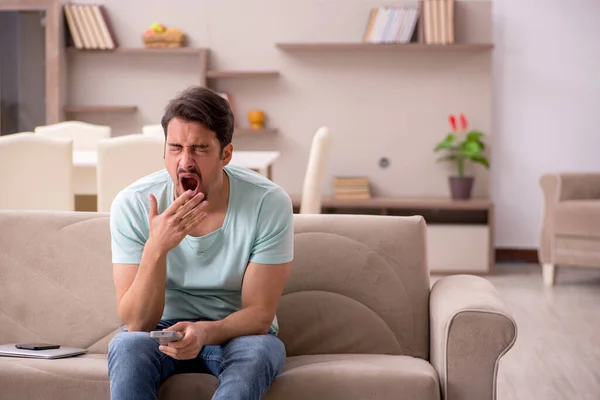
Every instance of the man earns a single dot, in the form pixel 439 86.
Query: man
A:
pixel 202 248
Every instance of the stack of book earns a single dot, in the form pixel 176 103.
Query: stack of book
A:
pixel 438 21
pixel 391 25
pixel 88 27
pixel 401 24
pixel 351 188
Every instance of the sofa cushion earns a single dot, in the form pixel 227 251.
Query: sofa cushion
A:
pixel 330 377
pixel 81 377
pixel 578 218
pixel 355 376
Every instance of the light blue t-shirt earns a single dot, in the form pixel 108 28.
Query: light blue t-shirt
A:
pixel 204 274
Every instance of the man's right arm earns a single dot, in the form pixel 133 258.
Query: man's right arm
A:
pixel 140 288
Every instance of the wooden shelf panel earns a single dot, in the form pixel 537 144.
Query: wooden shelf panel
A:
pixel 143 50
pixel 254 132
pixel 404 203
pixel 100 109
pixel 241 74
pixel 390 47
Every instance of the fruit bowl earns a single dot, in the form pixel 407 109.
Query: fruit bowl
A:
pixel 159 36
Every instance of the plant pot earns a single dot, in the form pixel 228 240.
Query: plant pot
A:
pixel 461 187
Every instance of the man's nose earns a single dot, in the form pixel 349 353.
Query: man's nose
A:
pixel 187 161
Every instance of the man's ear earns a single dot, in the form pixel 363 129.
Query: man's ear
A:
pixel 226 154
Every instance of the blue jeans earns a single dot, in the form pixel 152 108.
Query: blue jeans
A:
pixel 245 366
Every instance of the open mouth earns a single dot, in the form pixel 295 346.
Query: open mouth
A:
pixel 189 182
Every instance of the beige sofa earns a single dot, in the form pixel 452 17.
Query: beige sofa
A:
pixel 358 317
pixel 570 232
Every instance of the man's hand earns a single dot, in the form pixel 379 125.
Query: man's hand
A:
pixel 168 229
pixel 194 337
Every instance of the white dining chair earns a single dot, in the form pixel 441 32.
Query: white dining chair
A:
pixel 121 161
pixel 85 136
pixel 315 172
pixel 154 130
pixel 36 173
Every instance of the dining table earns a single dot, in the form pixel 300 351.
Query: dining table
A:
pixel 85 162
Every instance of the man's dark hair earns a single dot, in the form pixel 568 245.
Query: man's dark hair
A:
pixel 205 106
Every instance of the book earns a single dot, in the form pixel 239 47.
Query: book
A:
pixel 88 27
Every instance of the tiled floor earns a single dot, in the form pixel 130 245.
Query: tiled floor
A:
pixel 557 353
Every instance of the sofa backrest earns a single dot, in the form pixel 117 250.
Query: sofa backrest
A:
pixel 359 284
pixel 56 278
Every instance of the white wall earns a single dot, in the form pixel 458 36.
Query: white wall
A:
pixel 546 105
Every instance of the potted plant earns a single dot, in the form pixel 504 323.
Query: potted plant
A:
pixel 461 146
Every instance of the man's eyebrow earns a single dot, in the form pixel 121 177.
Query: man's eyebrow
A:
pixel 198 145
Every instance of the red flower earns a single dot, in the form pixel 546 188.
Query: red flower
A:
pixel 452 120
pixel 463 122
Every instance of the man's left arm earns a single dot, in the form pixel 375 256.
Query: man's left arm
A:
pixel 261 290
pixel 267 272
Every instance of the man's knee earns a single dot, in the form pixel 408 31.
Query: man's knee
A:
pixel 131 345
pixel 267 350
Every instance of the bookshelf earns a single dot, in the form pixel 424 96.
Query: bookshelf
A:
pixel 89 35
pixel 215 74
pixel 99 109
pixel 383 205
pixel 387 47
pixel 249 132
pixel 470 32
pixel 459 233
pixel 143 51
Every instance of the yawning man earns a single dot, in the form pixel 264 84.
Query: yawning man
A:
pixel 202 248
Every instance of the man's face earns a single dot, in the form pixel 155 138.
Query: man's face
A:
pixel 193 157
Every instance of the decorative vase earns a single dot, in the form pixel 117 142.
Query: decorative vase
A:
pixel 461 187
pixel 256 119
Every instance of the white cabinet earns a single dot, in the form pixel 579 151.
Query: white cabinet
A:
pixel 458 248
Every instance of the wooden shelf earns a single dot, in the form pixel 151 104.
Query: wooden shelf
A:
pixel 143 50
pixel 100 109
pixel 241 74
pixel 254 132
pixel 389 47
pixel 405 203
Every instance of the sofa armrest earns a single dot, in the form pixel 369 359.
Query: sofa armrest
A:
pixel 577 185
pixel 562 187
pixel 471 329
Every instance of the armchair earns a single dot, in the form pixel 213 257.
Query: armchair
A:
pixel 570 231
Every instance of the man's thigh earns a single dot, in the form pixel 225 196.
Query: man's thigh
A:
pixel 245 352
